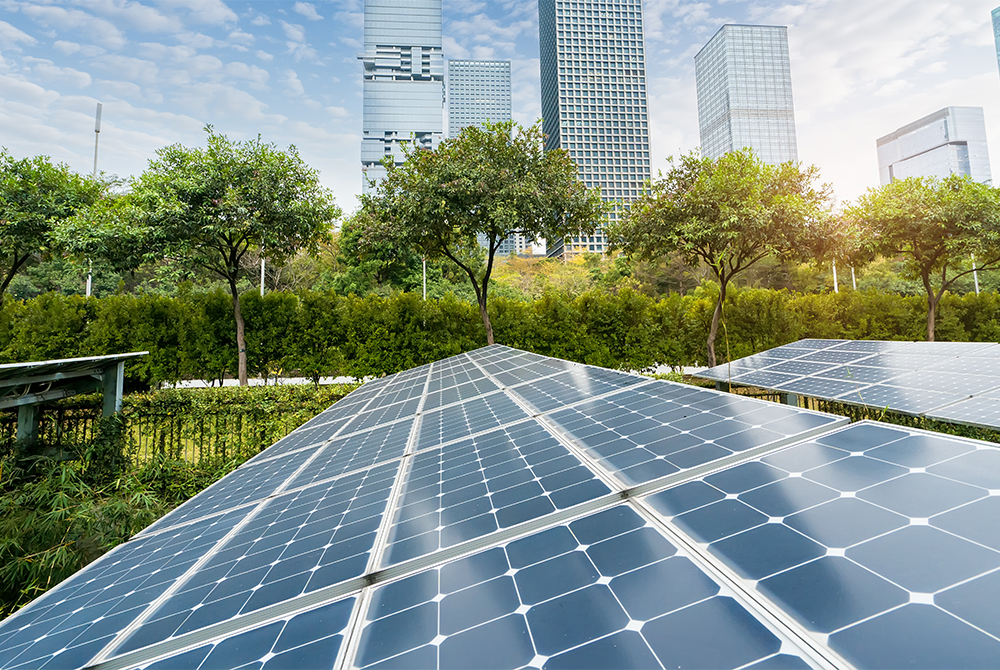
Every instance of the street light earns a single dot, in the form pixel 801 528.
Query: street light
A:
pixel 97 137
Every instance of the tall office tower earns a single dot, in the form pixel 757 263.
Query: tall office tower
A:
pixel 996 31
pixel 403 79
pixel 744 82
pixel 594 99
pixel 949 141
pixel 478 91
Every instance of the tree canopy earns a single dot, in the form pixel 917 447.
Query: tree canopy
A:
pixel 492 182
pixel 211 207
pixel 935 226
pixel 36 195
pixel 728 213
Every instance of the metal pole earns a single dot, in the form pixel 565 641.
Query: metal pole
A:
pixel 261 276
pixel 97 137
pixel 424 261
pixel 836 287
pixel 975 275
pixel 854 280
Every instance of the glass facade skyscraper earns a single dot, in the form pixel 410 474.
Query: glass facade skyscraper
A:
pixel 593 77
pixel 403 79
pixel 949 141
pixel 478 91
pixel 744 83
pixel 996 31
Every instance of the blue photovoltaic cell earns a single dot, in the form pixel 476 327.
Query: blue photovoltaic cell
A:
pixel 298 543
pixel 356 451
pixel 249 483
pixel 401 410
pixel 642 434
pixel 308 639
pixel 305 436
pixel 473 416
pixel 80 616
pixel 456 393
pixel 909 377
pixel 474 487
pixel 978 411
pixel 913 401
pixel 606 591
pixel 574 385
pixel 882 538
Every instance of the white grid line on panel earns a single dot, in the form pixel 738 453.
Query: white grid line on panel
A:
pixel 766 611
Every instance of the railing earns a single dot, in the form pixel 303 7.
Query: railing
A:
pixel 235 431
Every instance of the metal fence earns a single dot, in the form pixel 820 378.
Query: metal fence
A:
pixel 231 433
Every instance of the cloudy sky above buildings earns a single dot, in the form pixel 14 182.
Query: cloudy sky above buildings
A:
pixel 288 70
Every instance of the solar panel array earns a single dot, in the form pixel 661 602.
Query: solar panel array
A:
pixel 949 381
pixel 503 509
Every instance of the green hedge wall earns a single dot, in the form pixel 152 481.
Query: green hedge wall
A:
pixel 318 334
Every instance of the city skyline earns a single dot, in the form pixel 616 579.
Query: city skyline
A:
pixel 477 91
pixel 289 71
pixel 743 77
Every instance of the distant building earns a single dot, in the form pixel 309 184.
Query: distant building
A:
pixel 996 31
pixel 478 91
pixel 744 80
pixel 403 79
pixel 949 141
pixel 593 77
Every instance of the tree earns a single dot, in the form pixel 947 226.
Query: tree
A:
pixel 210 208
pixel 935 225
pixel 492 182
pixel 35 195
pixel 727 213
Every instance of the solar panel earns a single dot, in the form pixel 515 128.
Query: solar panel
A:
pixel 567 517
pixel 948 381
pixel 882 543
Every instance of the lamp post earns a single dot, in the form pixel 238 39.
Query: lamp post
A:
pixel 97 137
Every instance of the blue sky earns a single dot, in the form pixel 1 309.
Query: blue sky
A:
pixel 288 70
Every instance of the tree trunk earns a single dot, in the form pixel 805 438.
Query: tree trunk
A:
pixel 486 319
pixel 241 339
pixel 932 303
pixel 714 329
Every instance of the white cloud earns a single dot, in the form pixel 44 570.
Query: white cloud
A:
pixel 214 12
pixel 264 56
pixel 292 83
pixel 260 20
pixel 48 71
pixel 126 68
pixel 10 36
pixel 242 38
pixel 73 20
pixel 195 40
pixel 338 112
pixel 307 10
pixel 293 31
pixel 251 73
pixel 67 48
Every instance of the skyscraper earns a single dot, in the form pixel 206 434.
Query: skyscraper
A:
pixel 478 91
pixel 594 99
pixel 949 141
pixel 403 79
pixel 744 85
pixel 996 31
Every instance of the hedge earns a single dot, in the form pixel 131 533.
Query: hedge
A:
pixel 323 334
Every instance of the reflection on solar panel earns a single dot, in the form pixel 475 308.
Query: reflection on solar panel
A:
pixel 502 508
pixel 949 381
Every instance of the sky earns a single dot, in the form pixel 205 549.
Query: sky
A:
pixel 288 71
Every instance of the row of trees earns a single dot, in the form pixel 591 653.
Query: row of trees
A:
pixel 316 334
pixel 213 208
